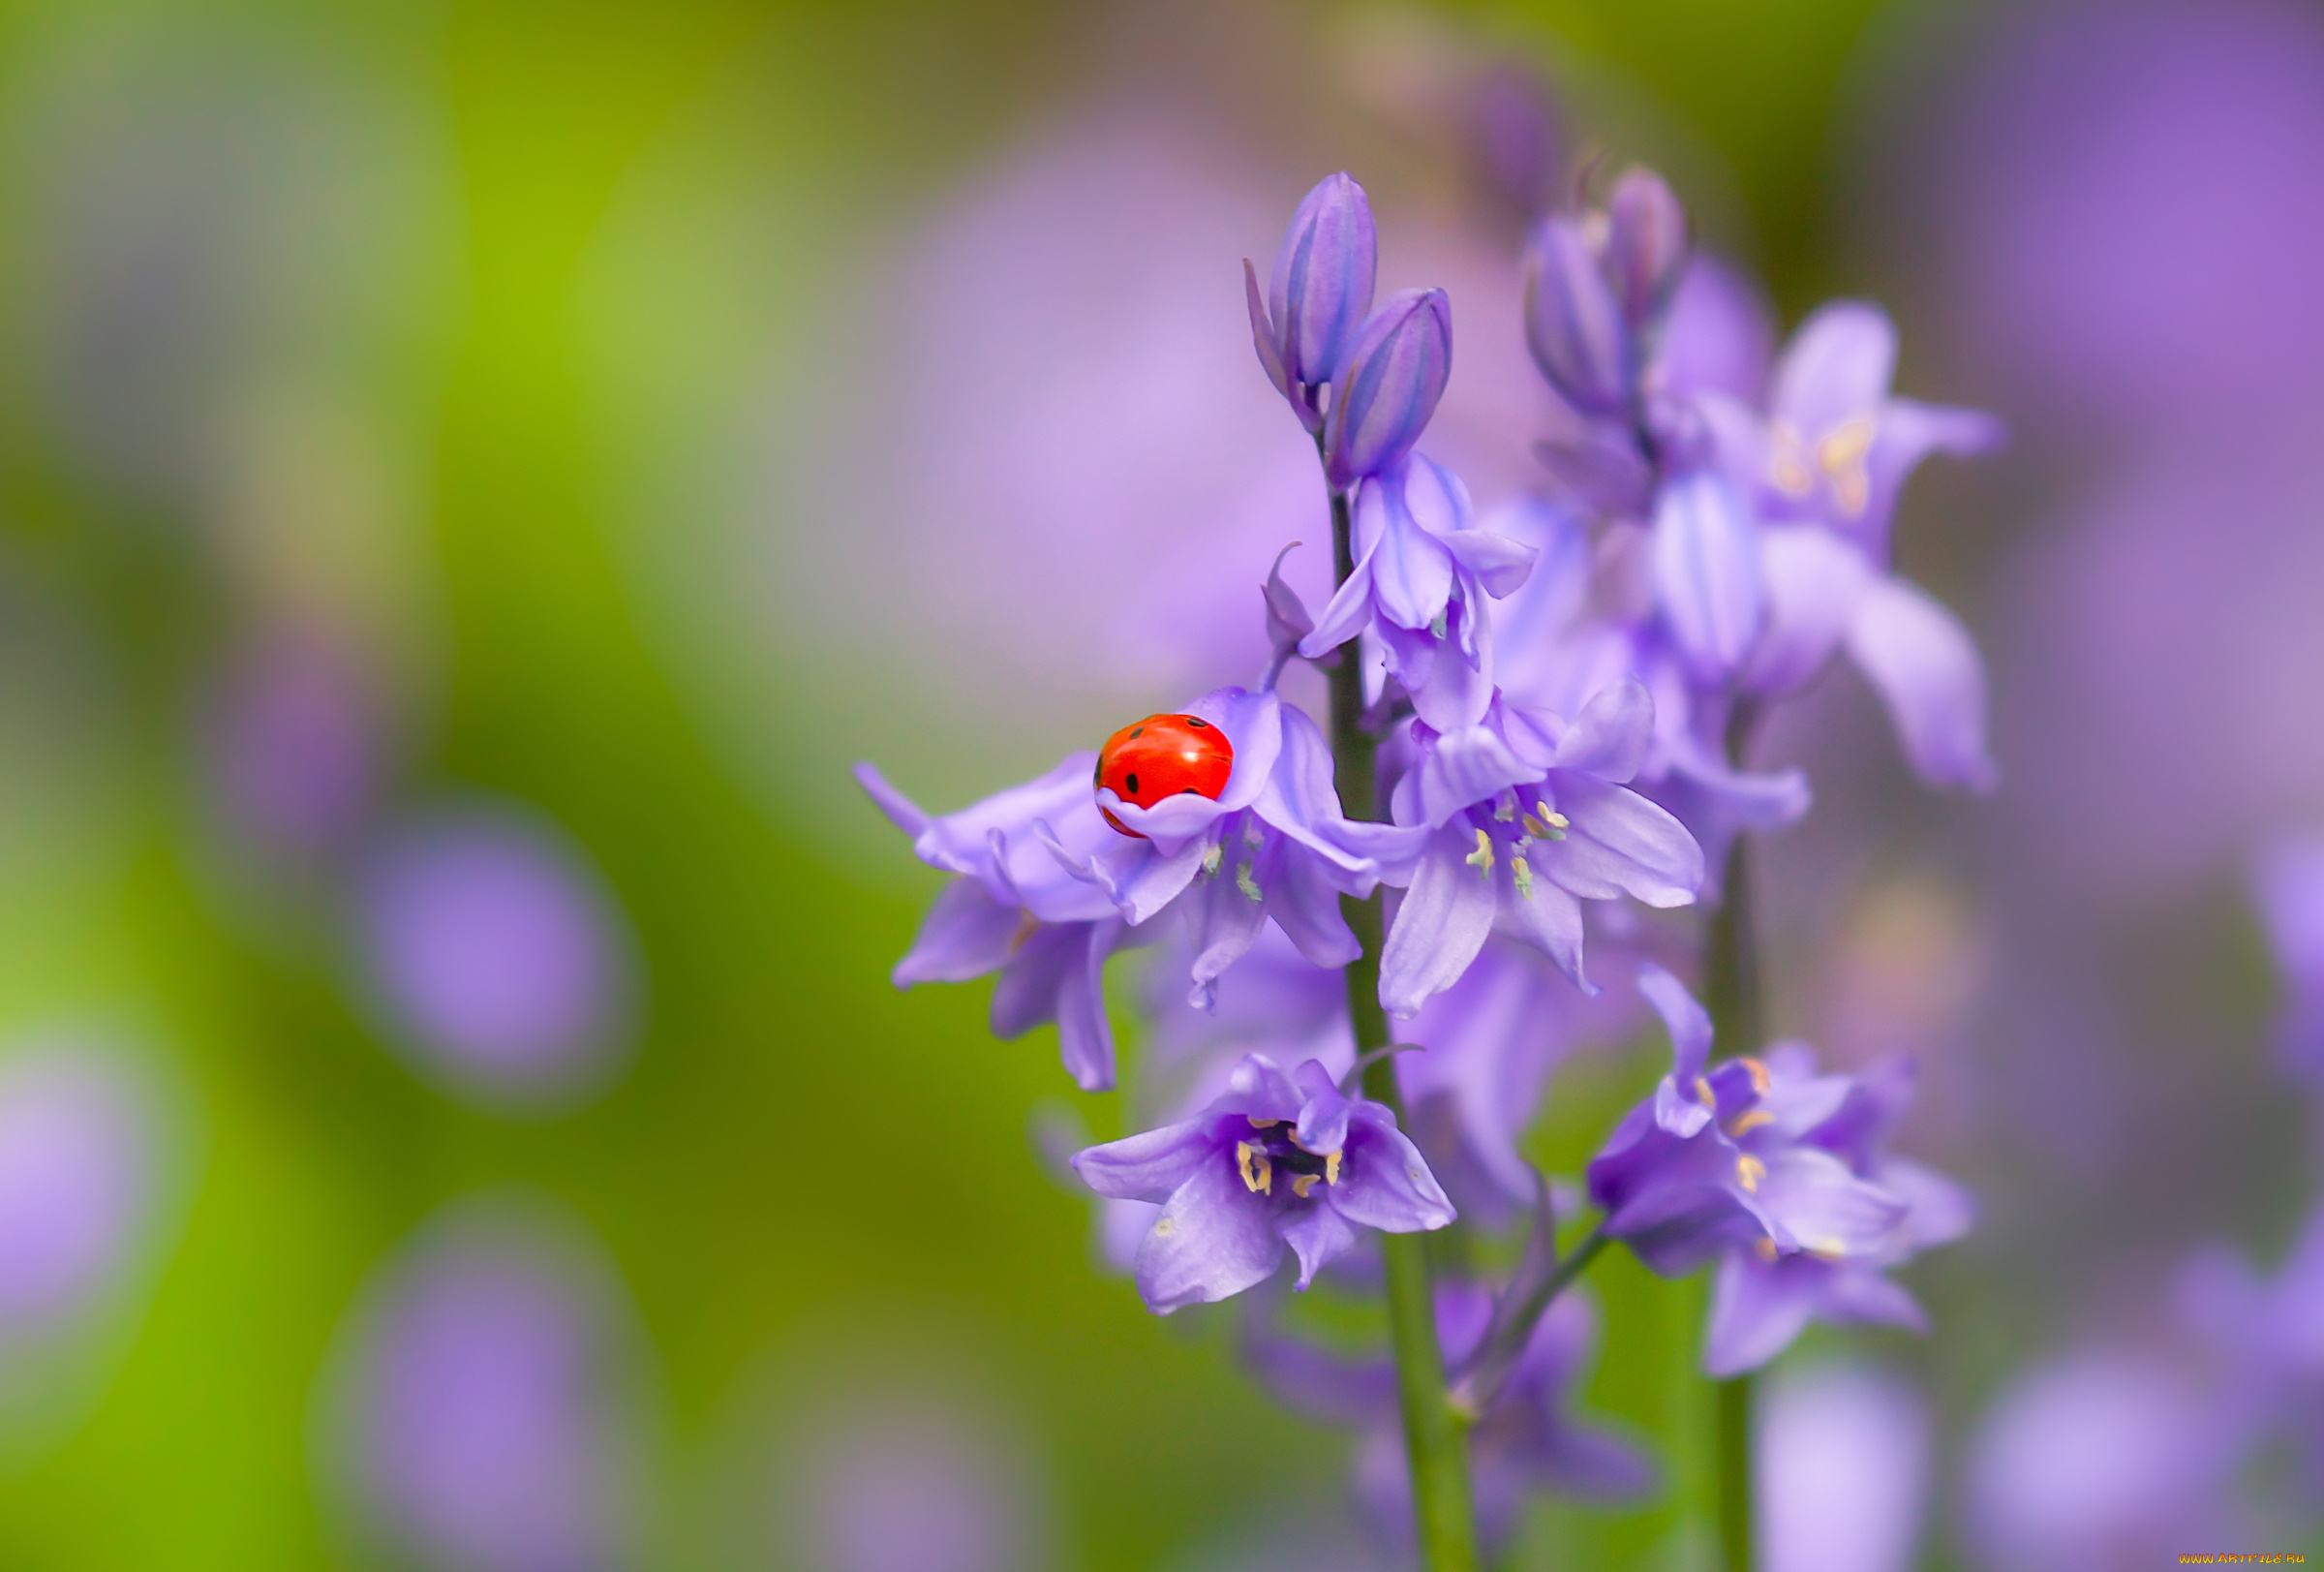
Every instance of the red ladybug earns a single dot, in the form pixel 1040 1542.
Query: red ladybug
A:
pixel 1163 755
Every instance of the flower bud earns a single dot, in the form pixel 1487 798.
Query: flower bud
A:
pixel 1321 284
pixel 1645 248
pixel 1393 378
pixel 1574 321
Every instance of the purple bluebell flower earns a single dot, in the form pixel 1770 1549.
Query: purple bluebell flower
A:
pixel 1526 1442
pixel 1527 816
pixel 1646 249
pixel 497 956
pixel 1318 294
pixel 1395 375
pixel 484 1414
pixel 1272 844
pixel 1781 1173
pixel 1844 1470
pixel 1598 290
pixel 78 1172
pixel 1278 1159
pixel 1422 575
pixel 1012 907
pixel 1707 576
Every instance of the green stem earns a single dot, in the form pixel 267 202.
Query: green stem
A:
pixel 1731 992
pixel 1433 1438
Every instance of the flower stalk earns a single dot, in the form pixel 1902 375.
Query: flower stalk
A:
pixel 1731 992
pixel 1433 1438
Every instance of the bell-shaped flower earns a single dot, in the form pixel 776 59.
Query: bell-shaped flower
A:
pixel 1318 294
pixel 1527 1442
pixel 1389 385
pixel 1527 816
pixel 1707 577
pixel 1598 289
pixel 1279 1159
pixel 1420 583
pixel 1274 844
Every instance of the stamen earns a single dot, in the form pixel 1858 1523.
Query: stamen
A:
pixel 1027 925
pixel 1505 809
pixel 1834 1248
pixel 1552 826
pixel 1212 858
pixel 1438 627
pixel 1482 859
pixel 1841 455
pixel 1759 1080
pixel 1246 884
pixel 1749 1171
pixel 1524 878
pixel 1304 1183
pixel 1332 1167
pixel 1703 1093
pixel 1258 1174
pixel 1258 1124
pixel 1745 1123
pixel 1767 1250
pixel 1786 464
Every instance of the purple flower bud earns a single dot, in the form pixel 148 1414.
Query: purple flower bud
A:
pixel 1645 247
pixel 1575 323
pixel 1390 387
pixel 1321 284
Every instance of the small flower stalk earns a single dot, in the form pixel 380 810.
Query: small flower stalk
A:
pixel 1536 747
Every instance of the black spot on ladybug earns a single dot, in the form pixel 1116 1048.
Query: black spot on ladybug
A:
pixel 1132 784
pixel 1194 721
pixel 1137 731
pixel 1097 775
pixel 1188 792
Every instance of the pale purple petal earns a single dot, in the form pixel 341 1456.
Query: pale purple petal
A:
pixel 1385 1182
pixel 1611 737
pixel 1213 1239
pixel 965 935
pixel 904 814
pixel 1684 1018
pixel 1757 1308
pixel 1546 916
pixel 1618 843
pixel 1846 1456
pixel 1439 927
pixel 1150 1165
pixel 1928 672
pixel 1838 366
pixel 1501 564
pixel 1317 1235
pixel 1814 581
pixel 1706 572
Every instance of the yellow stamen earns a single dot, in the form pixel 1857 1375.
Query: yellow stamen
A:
pixel 1830 1249
pixel 1258 1124
pixel 1482 859
pixel 1749 1171
pixel 1524 878
pixel 1786 464
pixel 1300 1186
pixel 1767 1250
pixel 1212 858
pixel 1759 1081
pixel 1703 1093
pixel 1841 456
pixel 1743 1124
pixel 1550 826
pixel 1258 1174
pixel 1330 1167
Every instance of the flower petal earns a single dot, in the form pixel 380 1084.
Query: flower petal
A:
pixel 1617 843
pixel 1706 572
pixel 1757 1308
pixel 1684 1017
pixel 1213 1239
pixel 1611 737
pixel 1384 1181
pixel 1147 1166
pixel 1317 1235
pixel 1928 672
pixel 965 935
pixel 1814 581
pixel 1439 927
pixel 1838 365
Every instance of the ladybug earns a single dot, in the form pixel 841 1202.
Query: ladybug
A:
pixel 1163 755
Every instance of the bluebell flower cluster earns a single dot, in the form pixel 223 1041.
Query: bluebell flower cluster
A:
pixel 1552 697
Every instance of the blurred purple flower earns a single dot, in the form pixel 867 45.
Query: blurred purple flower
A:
pixel 1318 294
pixel 1844 1466
pixel 1525 1442
pixel 1528 817
pixel 899 1485
pixel 484 1421
pixel 292 742
pixel 2289 881
pixel 77 1171
pixel 2099 1458
pixel 1277 1159
pixel 497 955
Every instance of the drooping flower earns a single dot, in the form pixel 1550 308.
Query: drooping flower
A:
pixel 1274 844
pixel 1279 1159
pixel 1526 1442
pixel 1419 586
pixel 1527 816
pixel 1318 294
